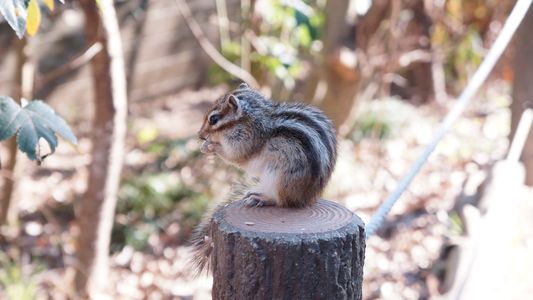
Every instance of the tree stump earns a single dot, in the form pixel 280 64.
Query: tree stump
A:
pixel 280 253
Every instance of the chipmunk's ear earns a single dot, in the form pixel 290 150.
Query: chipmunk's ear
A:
pixel 243 85
pixel 234 104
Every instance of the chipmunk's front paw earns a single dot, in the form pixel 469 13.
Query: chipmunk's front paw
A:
pixel 257 199
pixel 209 147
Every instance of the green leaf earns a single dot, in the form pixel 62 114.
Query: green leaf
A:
pixel 14 11
pixel 32 122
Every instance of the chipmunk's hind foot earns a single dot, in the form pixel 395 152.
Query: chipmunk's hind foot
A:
pixel 252 199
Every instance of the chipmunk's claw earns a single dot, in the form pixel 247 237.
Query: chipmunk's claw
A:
pixel 253 199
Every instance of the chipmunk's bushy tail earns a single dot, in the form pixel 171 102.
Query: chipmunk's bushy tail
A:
pixel 202 239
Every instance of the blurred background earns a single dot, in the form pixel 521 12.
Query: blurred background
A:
pixel 385 71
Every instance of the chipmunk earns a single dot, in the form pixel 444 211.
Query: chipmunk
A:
pixel 290 147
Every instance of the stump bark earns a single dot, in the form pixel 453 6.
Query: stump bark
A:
pixel 279 253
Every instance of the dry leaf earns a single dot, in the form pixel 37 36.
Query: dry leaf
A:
pixel 49 4
pixel 34 17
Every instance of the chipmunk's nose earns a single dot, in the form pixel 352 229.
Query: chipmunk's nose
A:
pixel 202 135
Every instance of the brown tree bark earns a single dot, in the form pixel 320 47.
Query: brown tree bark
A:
pixel 334 86
pixel 8 168
pixel 281 253
pixel 418 74
pixel 97 208
pixel 523 87
pixel 340 76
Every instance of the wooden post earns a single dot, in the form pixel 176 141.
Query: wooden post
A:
pixel 279 253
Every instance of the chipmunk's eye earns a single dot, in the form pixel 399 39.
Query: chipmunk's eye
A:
pixel 213 119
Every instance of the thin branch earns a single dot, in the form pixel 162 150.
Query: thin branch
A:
pixel 223 23
pixel 77 62
pixel 439 80
pixel 210 50
pixel 245 44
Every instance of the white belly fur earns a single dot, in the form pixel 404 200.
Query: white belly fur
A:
pixel 257 167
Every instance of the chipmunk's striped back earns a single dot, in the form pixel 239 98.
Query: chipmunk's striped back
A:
pixel 295 123
pixel 316 135
pixel 314 126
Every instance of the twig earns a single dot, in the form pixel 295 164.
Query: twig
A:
pixel 223 23
pixel 439 81
pixel 77 62
pixel 210 50
pixel 417 55
pixel 245 44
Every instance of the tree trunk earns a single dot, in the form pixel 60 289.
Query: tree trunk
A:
pixel 8 169
pixel 97 208
pixel 340 75
pixel 522 87
pixel 279 253
pixel 419 76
